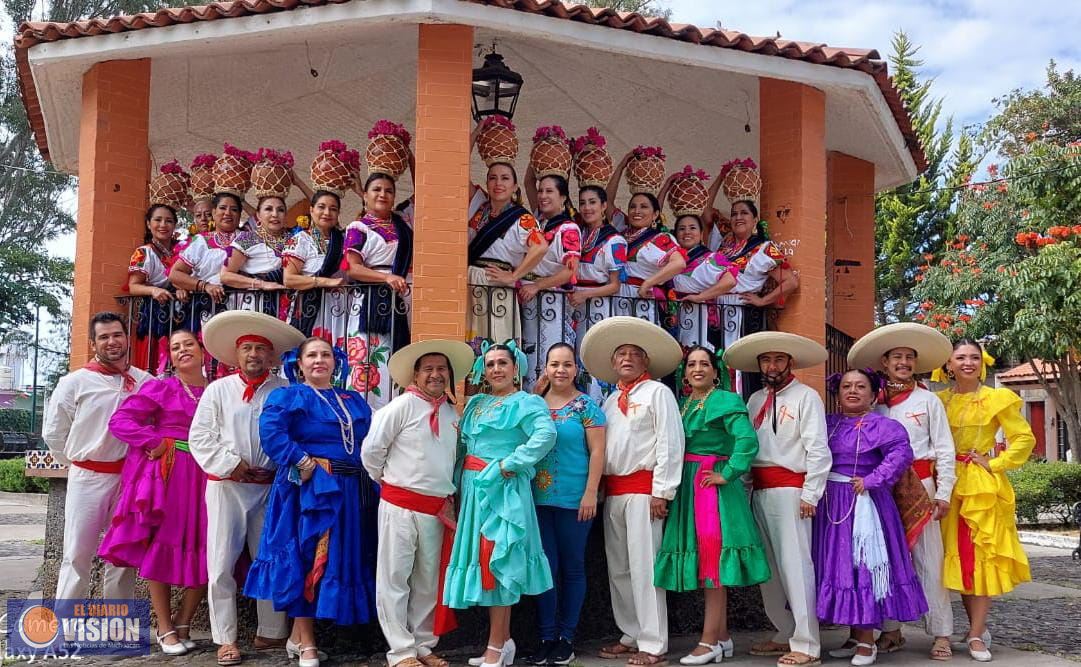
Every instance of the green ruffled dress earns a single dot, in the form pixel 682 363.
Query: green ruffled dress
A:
pixel 717 426
pixel 517 430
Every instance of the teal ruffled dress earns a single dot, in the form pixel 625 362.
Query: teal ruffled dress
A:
pixel 497 522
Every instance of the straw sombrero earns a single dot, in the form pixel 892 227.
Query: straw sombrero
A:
pixel 602 339
pixel 401 362
pixel 221 332
pixel 932 348
pixel 743 354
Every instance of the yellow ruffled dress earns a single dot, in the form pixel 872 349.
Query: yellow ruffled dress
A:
pixel 985 500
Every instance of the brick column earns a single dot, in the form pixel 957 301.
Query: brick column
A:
pixel 793 155
pixel 114 163
pixel 444 80
pixel 850 243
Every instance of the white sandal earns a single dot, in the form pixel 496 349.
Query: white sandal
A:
pixel 171 649
pixel 978 655
pixel 863 660
pixel 187 642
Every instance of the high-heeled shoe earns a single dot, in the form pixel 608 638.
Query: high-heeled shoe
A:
pixel 171 649
pixel 978 655
pixel 714 654
pixel 508 650
pixel 293 650
pixel 864 660
pixel 186 641
pixel 308 662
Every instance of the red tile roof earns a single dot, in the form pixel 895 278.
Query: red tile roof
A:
pixel 1025 373
pixel 864 60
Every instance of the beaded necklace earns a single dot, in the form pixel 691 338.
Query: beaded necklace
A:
pixel 693 405
pixel 345 422
pixel 855 497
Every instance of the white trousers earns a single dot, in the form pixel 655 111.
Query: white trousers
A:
pixel 407 578
pixel 789 595
pixel 88 508
pixel 631 542
pixel 927 557
pixel 234 514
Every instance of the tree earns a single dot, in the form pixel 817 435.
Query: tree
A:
pixel 1053 117
pixel 644 7
pixel 1012 274
pixel 915 219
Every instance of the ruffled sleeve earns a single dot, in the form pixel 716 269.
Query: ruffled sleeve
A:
pixel 535 421
pixel 892 442
pixel 300 246
pixel 284 409
pixel 529 232
pixel 570 238
pixel 244 242
pixel 1006 406
pixel 135 421
pixel 356 238
pixel 615 253
pixel 727 410
pixel 592 414
pixel 141 261
pixel 665 246
pixel 194 251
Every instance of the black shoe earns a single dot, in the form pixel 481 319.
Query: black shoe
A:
pixel 562 654
pixel 540 655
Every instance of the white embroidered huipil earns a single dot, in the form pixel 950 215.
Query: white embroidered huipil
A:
pixel 924 417
pixel 798 445
pixel 547 318
pixel 701 274
pixel 224 432
pixel 644 260
pixel 205 258
pixel 401 450
pixel 76 428
pixel 649 437
pixel 145 260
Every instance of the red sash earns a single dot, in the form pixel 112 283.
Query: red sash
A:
pixel 445 621
pixel 640 482
pixel 775 477
pixel 110 467
pixel 925 468
pixel 966 549
pixel 487 547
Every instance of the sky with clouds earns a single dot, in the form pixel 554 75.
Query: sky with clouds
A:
pixel 976 49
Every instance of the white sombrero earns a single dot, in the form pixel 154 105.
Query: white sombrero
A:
pixel 602 339
pixel 932 348
pixel 221 332
pixel 743 354
pixel 402 362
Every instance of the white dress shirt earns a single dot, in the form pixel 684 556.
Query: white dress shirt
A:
pixel 800 443
pixel 649 437
pixel 225 430
pixel 77 416
pixel 924 417
pixel 401 449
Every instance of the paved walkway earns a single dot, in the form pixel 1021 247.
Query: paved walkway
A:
pixel 1036 625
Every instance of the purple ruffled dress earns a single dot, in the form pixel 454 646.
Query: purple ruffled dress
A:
pixel 159 524
pixel 847 592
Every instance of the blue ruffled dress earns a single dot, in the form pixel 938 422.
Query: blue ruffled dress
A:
pixel 295 422
pixel 518 431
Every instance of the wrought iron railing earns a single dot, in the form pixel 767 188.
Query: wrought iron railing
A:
pixel 838 343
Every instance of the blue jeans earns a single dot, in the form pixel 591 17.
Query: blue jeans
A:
pixel 564 539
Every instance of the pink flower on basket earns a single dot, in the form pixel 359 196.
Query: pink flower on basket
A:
pixel 333 145
pixel 744 163
pixel 204 160
pixel 592 137
pixel 240 154
pixel 497 119
pixel 173 167
pixel 357 349
pixel 689 171
pixel 281 158
pixel 349 157
pixel 649 151
pixel 386 127
pixel 549 132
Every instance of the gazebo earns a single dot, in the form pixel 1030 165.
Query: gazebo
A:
pixel 110 99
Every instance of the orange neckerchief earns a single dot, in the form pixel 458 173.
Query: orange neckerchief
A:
pixel 436 403
pixel 771 394
pixel 98 367
pixel 891 397
pixel 625 391
pixel 252 385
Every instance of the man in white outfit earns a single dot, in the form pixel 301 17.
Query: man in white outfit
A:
pixel 789 476
pixel 224 439
pixel 904 350
pixel 410 452
pixel 76 430
pixel 642 470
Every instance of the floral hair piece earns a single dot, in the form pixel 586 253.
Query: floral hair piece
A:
pixel 497 119
pixel 204 160
pixel 649 151
pixel 173 167
pixel 281 158
pixel 386 127
pixel 549 132
pixel 291 363
pixel 521 362
pixel 833 382
pixel 592 137
pixel 689 171
pixel 744 163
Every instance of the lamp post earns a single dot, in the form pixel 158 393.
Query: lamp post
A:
pixel 495 88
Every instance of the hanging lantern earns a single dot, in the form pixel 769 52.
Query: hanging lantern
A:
pixel 495 88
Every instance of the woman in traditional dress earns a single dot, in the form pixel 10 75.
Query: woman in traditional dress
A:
pixel 159 524
pixel 653 256
pixel 379 249
pixel 255 263
pixel 546 318
pixel 710 539
pixel 497 555
pixel 565 494
pixel 198 269
pixel 984 557
pixel 707 276
pixel 148 277
pixel 317 551
pixel 312 259
pixel 863 567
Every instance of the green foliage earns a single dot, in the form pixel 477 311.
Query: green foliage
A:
pixel 917 218
pixel 1046 488
pixel 13 479
pixel 14 420
pixel 643 7
pixel 1052 115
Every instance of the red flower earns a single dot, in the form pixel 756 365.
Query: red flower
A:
pixel 549 132
pixel 965 318
pixel 204 160
pixel 386 127
pixel 497 119
pixel 173 167
pixel 592 137
pixel 649 151
pixel 357 349
pixel 744 163
pixel 364 377
pixel 275 157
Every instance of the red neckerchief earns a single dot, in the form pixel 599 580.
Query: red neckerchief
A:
pixel 252 385
pixel 436 403
pixel 771 394
pixel 891 398
pixel 626 389
pixel 97 366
